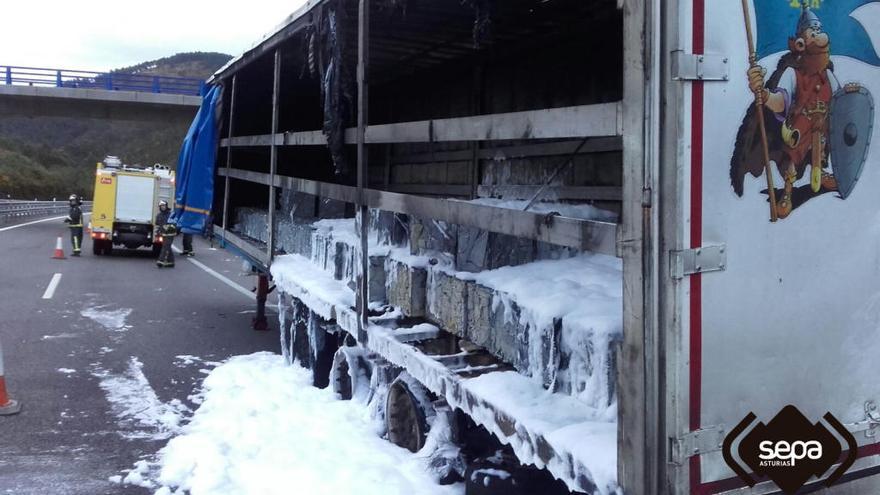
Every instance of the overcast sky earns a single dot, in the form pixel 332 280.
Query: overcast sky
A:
pixel 100 35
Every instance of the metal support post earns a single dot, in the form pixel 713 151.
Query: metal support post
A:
pixel 362 172
pixel 260 322
pixel 638 371
pixel 273 156
pixel 225 220
pixel 476 109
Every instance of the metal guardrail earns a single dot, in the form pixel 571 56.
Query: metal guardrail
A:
pixel 111 81
pixel 12 210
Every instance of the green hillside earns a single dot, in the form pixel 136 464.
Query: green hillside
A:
pixel 192 64
pixel 46 157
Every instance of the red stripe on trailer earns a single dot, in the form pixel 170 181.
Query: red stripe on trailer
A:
pixel 728 484
pixel 696 232
pixel 696 301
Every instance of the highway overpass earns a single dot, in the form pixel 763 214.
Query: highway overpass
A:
pixel 33 92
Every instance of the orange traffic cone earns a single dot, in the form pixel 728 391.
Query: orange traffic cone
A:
pixel 59 249
pixel 8 406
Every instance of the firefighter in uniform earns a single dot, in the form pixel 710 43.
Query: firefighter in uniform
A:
pixel 167 230
pixel 187 245
pixel 74 221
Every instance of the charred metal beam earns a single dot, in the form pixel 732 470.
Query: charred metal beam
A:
pixel 587 235
pixel 594 145
pixel 431 189
pixel 254 253
pixel 603 119
pixel 584 193
pixel 597 120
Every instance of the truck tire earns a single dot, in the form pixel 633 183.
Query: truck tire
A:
pixel 102 247
pixel 351 374
pixel 340 377
pixel 407 410
pixel 322 366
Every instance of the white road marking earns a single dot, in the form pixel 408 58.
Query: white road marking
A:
pixel 3 229
pixel 220 277
pixel 53 284
pixel 250 295
pixel 30 223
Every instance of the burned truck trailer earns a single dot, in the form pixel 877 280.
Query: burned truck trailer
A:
pixel 537 239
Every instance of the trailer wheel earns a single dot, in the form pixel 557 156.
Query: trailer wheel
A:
pixel 341 379
pixel 351 374
pixel 322 365
pixel 406 411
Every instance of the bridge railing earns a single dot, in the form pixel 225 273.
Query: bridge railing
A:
pixel 111 81
pixel 12 210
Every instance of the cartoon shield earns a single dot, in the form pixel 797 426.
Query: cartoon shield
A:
pixel 852 121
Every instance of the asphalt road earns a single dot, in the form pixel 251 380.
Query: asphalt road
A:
pixel 96 366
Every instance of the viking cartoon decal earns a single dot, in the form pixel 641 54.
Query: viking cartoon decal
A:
pixel 816 129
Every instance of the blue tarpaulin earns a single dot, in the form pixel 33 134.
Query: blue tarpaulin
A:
pixel 194 194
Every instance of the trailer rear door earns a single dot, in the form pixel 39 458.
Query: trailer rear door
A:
pixel 785 312
pixel 135 197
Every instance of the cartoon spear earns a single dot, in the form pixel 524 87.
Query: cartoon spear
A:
pixel 759 110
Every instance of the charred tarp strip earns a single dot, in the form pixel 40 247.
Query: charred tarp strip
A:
pixel 336 81
pixel 393 6
pixel 482 20
pixel 327 51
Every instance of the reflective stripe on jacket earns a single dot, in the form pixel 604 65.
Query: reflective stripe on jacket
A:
pixel 74 216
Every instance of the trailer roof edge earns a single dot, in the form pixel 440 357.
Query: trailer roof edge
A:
pixel 281 32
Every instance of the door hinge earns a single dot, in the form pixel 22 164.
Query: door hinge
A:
pixel 698 442
pixel 870 424
pixel 711 258
pixel 699 67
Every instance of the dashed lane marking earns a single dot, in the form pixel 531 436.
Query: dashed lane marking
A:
pixel 53 284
